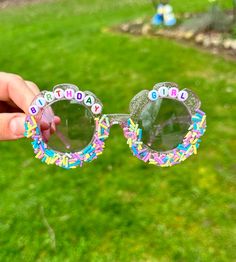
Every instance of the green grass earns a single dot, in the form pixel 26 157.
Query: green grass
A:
pixel 117 208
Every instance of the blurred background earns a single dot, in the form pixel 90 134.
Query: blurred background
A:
pixel 117 208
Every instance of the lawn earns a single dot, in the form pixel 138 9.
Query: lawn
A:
pixel 117 208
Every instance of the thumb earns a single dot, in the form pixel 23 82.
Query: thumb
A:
pixel 12 126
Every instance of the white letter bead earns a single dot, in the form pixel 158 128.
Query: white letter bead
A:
pixel 163 91
pixel 49 97
pixel 153 95
pixel 59 93
pixel 89 100
pixel 40 102
pixel 33 110
pixel 183 96
pixel 96 109
pixel 79 96
pixel 69 93
pixel 173 92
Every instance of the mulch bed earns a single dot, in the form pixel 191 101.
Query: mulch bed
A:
pixel 214 42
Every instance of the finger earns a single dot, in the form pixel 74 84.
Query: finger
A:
pixel 33 87
pixel 13 87
pixel 50 125
pixel 57 120
pixel 44 126
pixel 46 135
pixel 12 126
pixel 48 115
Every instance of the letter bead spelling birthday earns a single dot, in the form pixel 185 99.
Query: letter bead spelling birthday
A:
pixel 49 97
pixel 89 100
pixel 96 109
pixel 33 110
pixel 40 102
pixel 79 96
pixel 59 93
pixel 69 93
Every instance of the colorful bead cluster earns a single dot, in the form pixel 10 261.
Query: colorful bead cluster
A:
pixel 69 94
pixel 173 92
pixel 189 146
pixel 68 160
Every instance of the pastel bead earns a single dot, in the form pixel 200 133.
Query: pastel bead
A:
pixel 40 102
pixel 89 100
pixel 49 96
pixel 69 93
pixel 153 95
pixel 183 96
pixel 96 109
pixel 59 93
pixel 163 91
pixel 173 92
pixel 79 96
pixel 33 110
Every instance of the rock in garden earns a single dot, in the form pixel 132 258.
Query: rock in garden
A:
pixel 146 29
pixel 199 38
pixel 216 40
pixel 180 34
pixel 233 44
pixel 206 41
pixel 188 35
pixel 227 43
pixel 125 27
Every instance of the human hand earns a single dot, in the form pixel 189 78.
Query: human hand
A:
pixel 16 95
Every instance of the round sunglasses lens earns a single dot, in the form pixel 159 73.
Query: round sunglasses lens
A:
pixel 164 122
pixel 67 126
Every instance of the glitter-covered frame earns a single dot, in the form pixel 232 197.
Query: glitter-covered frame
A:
pixel 130 127
pixel 73 159
pixel 190 142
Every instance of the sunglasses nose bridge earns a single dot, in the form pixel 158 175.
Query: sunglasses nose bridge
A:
pixel 118 119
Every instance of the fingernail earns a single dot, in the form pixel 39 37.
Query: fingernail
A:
pixel 17 126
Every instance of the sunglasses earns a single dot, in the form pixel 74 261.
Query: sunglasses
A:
pixel 68 128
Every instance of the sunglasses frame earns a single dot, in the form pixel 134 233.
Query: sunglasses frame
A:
pixel 103 123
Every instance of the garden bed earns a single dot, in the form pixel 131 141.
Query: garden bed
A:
pixel 215 42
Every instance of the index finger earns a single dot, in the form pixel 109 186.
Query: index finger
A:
pixel 13 88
